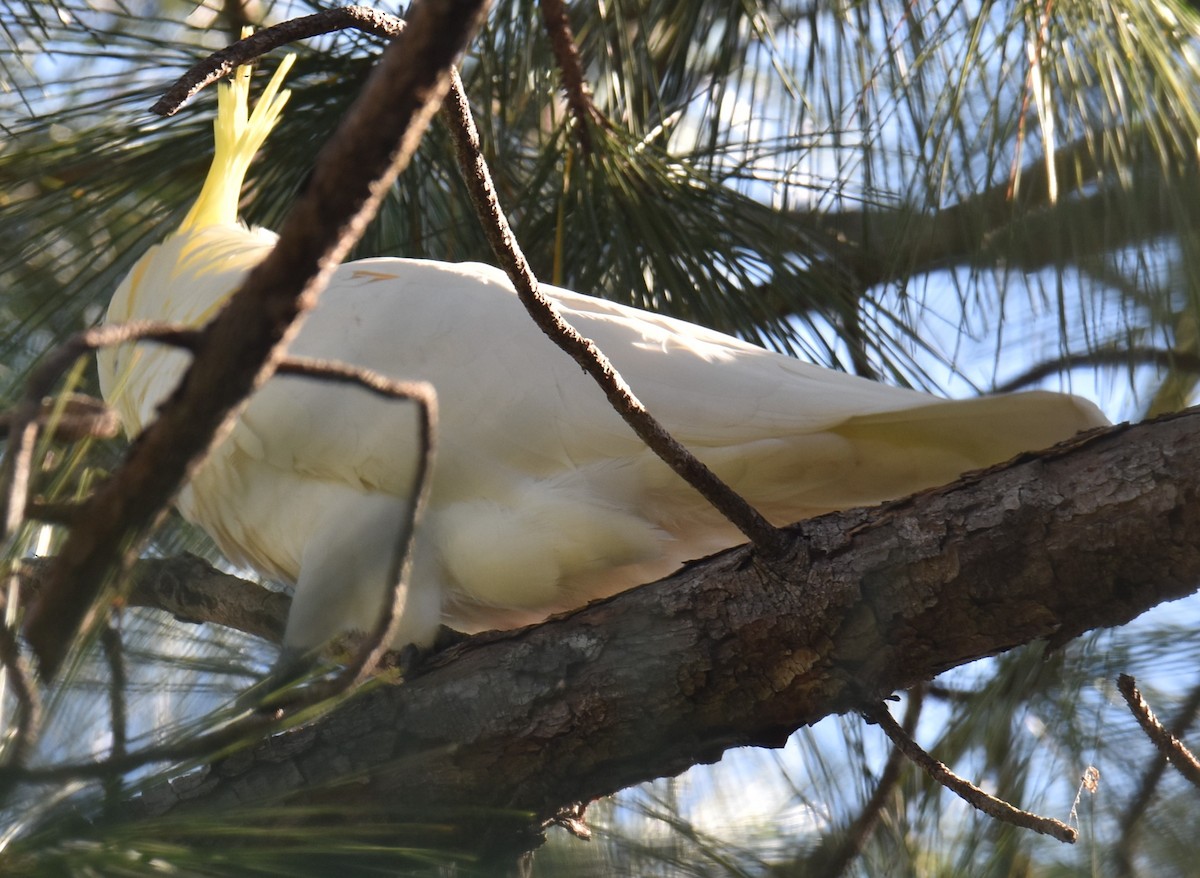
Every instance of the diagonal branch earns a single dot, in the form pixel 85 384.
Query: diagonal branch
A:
pixel 1131 818
pixel 859 832
pixel 1171 748
pixel 766 538
pixel 221 63
pixel 963 788
pixel 244 343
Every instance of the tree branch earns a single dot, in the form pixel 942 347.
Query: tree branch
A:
pixel 1163 358
pixel 991 226
pixel 570 67
pixel 191 590
pixel 1171 748
pixel 723 654
pixel 833 861
pixel 70 418
pixel 963 788
pixel 1131 818
pixel 583 351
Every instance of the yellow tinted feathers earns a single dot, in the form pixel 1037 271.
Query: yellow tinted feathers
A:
pixel 239 136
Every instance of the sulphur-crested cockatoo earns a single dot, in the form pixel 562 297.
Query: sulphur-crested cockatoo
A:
pixel 542 497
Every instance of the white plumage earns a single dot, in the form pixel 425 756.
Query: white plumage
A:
pixel 542 498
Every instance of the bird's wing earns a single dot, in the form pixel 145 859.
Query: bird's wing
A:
pixel 521 401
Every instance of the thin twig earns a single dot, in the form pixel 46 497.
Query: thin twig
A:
pixel 767 539
pixel 69 419
pixel 25 419
pixel 859 832
pixel 421 393
pixel 368 654
pixel 222 63
pixel 28 724
pixel 1164 358
pixel 963 788
pixel 566 53
pixel 1168 745
pixel 244 343
pixel 1138 805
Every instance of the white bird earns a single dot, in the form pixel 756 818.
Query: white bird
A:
pixel 542 498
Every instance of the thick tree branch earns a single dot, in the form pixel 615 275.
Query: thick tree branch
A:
pixel 191 590
pixel 725 654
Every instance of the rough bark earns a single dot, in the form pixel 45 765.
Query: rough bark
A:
pixel 733 651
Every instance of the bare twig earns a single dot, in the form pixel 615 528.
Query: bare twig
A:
pixel 766 538
pixel 1164 358
pixel 1172 749
pixel 860 831
pixel 72 418
pixel 245 342
pixel 1123 851
pixel 964 789
pixel 566 53
pixel 368 654
pixel 28 724
pixel 24 420
pixel 169 599
pixel 222 63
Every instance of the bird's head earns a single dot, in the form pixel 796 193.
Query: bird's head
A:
pixel 188 277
